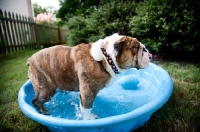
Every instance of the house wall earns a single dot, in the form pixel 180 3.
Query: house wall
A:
pixel 22 7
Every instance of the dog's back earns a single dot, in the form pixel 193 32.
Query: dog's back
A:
pixel 56 65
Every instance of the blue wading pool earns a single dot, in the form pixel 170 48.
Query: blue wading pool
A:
pixel 123 106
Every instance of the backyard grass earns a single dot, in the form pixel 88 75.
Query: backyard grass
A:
pixel 13 73
pixel 182 111
pixel 180 114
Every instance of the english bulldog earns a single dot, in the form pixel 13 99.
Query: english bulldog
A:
pixel 86 68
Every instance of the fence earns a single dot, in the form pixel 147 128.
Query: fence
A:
pixel 19 33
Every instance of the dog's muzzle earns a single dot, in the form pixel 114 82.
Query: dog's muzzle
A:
pixel 149 55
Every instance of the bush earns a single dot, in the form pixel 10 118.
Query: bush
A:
pixel 169 27
pixel 76 30
pixel 109 18
pixel 104 21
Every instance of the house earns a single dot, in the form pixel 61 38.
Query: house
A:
pixel 22 7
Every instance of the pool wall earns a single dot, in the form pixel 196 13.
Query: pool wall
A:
pixel 125 122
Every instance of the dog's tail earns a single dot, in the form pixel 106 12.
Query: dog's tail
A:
pixel 27 62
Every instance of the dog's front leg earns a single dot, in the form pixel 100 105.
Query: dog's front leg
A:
pixel 86 102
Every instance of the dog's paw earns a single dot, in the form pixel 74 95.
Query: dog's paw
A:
pixel 90 116
pixel 44 112
pixel 87 115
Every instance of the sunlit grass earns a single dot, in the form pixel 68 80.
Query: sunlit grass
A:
pixel 180 113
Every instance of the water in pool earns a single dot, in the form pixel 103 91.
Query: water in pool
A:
pixel 110 101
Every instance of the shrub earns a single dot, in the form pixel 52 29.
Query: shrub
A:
pixel 77 31
pixel 169 27
pixel 110 17
pixel 104 21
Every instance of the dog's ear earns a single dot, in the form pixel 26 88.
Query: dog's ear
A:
pixel 118 47
pixel 121 32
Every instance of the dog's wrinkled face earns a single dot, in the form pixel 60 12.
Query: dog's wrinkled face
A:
pixel 126 52
pixel 131 53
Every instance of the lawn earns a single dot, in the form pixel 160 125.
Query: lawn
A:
pixel 181 112
pixel 13 73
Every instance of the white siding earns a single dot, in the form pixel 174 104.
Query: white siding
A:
pixel 15 6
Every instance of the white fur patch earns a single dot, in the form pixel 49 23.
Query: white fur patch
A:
pixel 111 40
pixel 98 55
pixel 87 114
pixel 96 50
pixel 145 60
pixel 96 47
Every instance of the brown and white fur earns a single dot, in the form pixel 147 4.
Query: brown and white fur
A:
pixel 83 68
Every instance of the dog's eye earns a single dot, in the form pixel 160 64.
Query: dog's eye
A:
pixel 121 42
pixel 145 50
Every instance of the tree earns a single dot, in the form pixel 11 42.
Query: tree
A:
pixel 169 27
pixel 38 9
pixel 104 21
pixel 71 8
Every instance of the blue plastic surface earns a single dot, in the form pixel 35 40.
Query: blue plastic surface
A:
pixel 129 82
pixel 124 106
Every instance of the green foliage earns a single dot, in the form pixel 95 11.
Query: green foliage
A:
pixel 76 30
pixel 111 17
pixel 38 9
pixel 168 26
pixel 70 8
pixel 104 21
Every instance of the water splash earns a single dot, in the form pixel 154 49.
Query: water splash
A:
pixel 110 101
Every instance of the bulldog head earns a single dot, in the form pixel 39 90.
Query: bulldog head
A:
pixel 126 52
pixel 131 53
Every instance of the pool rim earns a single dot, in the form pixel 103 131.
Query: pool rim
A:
pixel 153 105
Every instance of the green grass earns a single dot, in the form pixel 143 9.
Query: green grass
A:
pixel 181 113
pixel 13 73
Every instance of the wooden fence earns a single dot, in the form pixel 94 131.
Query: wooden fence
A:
pixel 19 33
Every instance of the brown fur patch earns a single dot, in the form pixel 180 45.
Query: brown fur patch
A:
pixel 130 48
pixel 71 69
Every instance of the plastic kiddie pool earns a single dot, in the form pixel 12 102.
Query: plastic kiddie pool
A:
pixel 123 106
